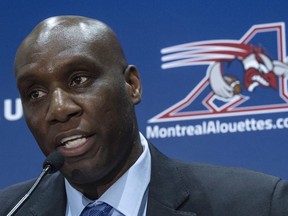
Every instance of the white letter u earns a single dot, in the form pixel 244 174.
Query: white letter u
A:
pixel 8 110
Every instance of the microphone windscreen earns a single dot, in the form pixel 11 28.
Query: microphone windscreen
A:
pixel 55 160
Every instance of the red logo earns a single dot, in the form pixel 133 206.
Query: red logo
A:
pixel 242 77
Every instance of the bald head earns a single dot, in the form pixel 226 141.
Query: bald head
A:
pixel 69 31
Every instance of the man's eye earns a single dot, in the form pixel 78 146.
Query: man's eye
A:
pixel 36 94
pixel 78 80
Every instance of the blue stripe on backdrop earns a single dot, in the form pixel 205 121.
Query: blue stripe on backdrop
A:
pixel 254 139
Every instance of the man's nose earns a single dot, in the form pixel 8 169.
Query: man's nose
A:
pixel 62 107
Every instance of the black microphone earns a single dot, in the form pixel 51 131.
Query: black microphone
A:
pixel 52 164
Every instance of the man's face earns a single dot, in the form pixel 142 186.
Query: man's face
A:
pixel 77 100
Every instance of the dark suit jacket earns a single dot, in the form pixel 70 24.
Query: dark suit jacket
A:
pixel 175 189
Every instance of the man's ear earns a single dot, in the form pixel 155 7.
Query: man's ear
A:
pixel 133 83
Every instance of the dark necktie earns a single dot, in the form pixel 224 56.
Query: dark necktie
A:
pixel 96 210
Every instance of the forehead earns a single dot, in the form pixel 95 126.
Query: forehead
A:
pixel 63 45
pixel 60 38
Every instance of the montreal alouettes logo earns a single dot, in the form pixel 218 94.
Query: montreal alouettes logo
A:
pixel 241 77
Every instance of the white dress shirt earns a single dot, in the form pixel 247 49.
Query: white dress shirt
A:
pixel 128 195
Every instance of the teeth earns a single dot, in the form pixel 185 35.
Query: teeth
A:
pixel 73 141
pixel 70 138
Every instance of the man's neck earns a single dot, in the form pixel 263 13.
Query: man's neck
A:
pixel 94 190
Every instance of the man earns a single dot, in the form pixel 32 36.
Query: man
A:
pixel 78 95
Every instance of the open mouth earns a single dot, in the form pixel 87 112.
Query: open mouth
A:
pixel 254 78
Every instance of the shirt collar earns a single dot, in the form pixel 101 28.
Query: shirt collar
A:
pixel 125 195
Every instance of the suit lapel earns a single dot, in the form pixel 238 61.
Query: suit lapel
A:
pixel 167 189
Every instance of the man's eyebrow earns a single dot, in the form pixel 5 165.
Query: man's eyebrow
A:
pixel 26 80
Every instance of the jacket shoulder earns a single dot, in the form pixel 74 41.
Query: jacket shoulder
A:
pixel 10 196
pixel 215 190
pixel 230 188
